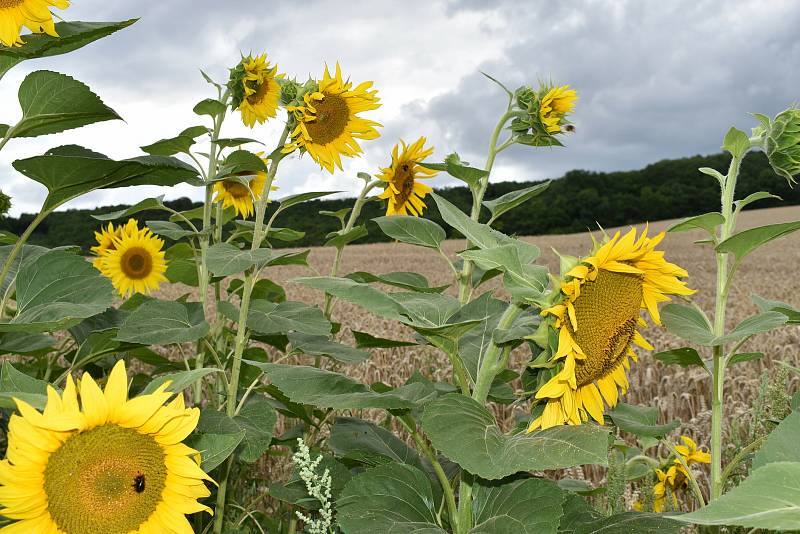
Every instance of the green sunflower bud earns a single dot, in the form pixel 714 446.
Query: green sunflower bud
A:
pixel 289 91
pixel 782 144
pixel 5 203
pixel 236 83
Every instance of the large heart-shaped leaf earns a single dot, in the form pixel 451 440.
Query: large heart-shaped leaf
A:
pixel 162 322
pixel 641 420
pixel 781 445
pixel 527 506
pixel 466 432
pixel 412 230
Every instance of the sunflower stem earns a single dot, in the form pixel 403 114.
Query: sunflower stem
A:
pixel 718 371
pixel 15 252
pixel 351 221
pixel 465 283
pixel 496 356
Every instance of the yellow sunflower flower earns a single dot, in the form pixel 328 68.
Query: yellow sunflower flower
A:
pixel 328 124
pixel 105 241
pixel 691 453
pixel 236 194
pixel 97 462
pixel 262 92
pixel 136 262
pixel 33 14
pixel 403 192
pixel 596 321
pixel 669 483
pixel 555 105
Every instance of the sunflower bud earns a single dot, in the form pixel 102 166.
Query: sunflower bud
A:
pixel 782 144
pixel 236 82
pixel 5 203
pixel 289 91
pixel 546 109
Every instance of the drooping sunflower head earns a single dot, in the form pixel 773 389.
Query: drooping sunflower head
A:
pixel 255 89
pixel 240 196
pixel 105 241
pixel 32 14
pixel 328 124
pixel 691 453
pixel 404 193
pixel 596 318
pixel 95 461
pixel 554 105
pixel 135 263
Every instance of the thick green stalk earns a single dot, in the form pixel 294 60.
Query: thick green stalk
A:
pixel 15 252
pixel 496 356
pixel 241 333
pixel 718 371
pixel 477 197
pixel 351 221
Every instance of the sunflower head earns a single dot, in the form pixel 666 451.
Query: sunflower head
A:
pixel 95 461
pixel 691 453
pixel 328 124
pixel 134 262
pixel 32 14
pixel 240 193
pixel 594 322
pixel 255 89
pixel 404 193
pixel 547 108
pixel 5 203
pixel 782 143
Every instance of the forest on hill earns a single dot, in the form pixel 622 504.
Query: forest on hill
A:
pixel 578 201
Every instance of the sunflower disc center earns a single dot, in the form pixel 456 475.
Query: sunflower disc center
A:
pixel 10 3
pixel 137 263
pixel 331 119
pixel 260 93
pixel 606 312
pixel 90 481
pixel 236 189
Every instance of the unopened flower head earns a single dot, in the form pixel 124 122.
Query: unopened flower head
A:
pixel 782 144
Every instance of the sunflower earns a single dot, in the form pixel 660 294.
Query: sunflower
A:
pixel 328 123
pixel 33 14
pixel 104 464
pixel 403 192
pixel 554 106
pixel 691 453
pixel 669 482
pixel 136 263
pixel 235 193
pixel 105 241
pixel 596 322
pixel 261 91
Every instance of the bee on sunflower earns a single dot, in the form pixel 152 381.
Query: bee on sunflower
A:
pixel 328 124
pixel 32 14
pixel 404 193
pixel 96 461
pixel 131 258
pixel 255 89
pixel 595 319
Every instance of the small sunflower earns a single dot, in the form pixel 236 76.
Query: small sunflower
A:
pixel 105 241
pixel 403 192
pixel 691 453
pixel 328 123
pixel 95 462
pixel 33 14
pixel 555 105
pixel 260 93
pixel 669 483
pixel 236 194
pixel 136 262
pixel 596 323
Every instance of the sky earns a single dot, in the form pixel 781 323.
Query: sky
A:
pixel 656 79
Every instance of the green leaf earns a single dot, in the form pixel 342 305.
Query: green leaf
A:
pixel 257 419
pixel 511 200
pixel 217 436
pixel 744 357
pixel 713 173
pixel 736 142
pixel 225 259
pixel 767 499
pixel 577 512
pixel 180 380
pixel 71 36
pixel 326 389
pixel 56 291
pixel 322 346
pixel 363 295
pixel 641 421
pixel 181 266
pixel 630 523
pixel 458 169
pixel 71 171
pixel 25 343
pixel 412 230
pixel 15 384
pixel 366 442
pixel 339 239
pixel 781 444
pixel 466 432
pixel 146 204
pixel 788 310
pixel 527 506
pixel 747 241
pixel 288 202
pixel 365 340
pixel 687 323
pixel 406 280
pixel 757 324
pixel 480 234
pixel 279 318
pixel 209 107
pixel 753 197
pixel 234 142
pixel 52 102
pixel 390 499
pixel 262 290
pixel 708 222
pixel 170 230
pixel 162 322
pixel 684 356
pixel 181 143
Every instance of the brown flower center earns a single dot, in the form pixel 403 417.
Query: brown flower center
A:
pixel 606 313
pixel 260 93
pixel 137 263
pixel 10 3
pixel 404 180
pixel 331 119
pixel 236 189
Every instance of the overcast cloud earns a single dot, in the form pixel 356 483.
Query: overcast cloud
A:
pixel 656 79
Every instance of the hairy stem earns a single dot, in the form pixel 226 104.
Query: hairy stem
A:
pixel 496 356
